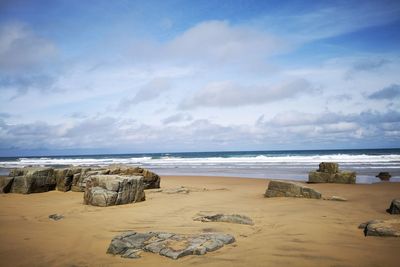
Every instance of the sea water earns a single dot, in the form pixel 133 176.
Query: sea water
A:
pixel 293 165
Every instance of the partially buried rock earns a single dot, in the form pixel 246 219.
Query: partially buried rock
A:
pixel 290 189
pixel 5 184
pixel 56 217
pixel 394 207
pixel 33 180
pixel 384 176
pixel 336 198
pixel 229 218
pixel 170 245
pixel 384 228
pixel 109 190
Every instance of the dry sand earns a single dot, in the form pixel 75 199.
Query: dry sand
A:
pixel 287 231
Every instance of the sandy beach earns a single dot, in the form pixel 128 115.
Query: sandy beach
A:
pixel 287 231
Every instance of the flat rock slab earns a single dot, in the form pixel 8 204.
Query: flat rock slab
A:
pixel 385 228
pixel 394 207
pixel 290 189
pixel 335 198
pixel 229 218
pixel 171 245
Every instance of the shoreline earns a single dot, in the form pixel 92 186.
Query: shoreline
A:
pixel 287 231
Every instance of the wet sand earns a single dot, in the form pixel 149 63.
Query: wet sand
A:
pixel 287 231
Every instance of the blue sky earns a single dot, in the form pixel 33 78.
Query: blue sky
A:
pixel 164 76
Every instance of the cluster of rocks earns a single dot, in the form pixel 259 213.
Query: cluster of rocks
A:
pixel 229 218
pixel 328 172
pixel 389 227
pixel 171 245
pixel 39 179
pixel 290 189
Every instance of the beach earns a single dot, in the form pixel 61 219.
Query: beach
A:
pixel 286 231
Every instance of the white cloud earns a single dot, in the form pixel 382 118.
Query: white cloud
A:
pixel 21 49
pixel 230 94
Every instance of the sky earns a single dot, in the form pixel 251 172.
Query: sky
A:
pixel 84 77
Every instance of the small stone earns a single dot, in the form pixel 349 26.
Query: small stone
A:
pixel 229 218
pixel 337 198
pixel 56 217
pixel 394 207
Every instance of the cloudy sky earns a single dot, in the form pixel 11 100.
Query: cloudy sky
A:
pixel 164 76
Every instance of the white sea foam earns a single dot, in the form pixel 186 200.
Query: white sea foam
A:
pixel 389 160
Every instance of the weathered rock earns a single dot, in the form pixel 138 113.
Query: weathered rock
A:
pixel 170 245
pixel 108 190
pixel 34 180
pixel 290 189
pixel 64 178
pixel 328 167
pixel 383 228
pixel 328 172
pixel 56 217
pixel 394 207
pixel 5 184
pixel 384 176
pixel 150 179
pixel 79 179
pixel 229 218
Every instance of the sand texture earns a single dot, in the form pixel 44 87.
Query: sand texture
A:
pixel 286 231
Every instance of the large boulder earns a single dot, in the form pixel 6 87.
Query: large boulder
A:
pixel 79 179
pixel 34 180
pixel 64 178
pixel 5 184
pixel 171 245
pixel 109 190
pixel 382 228
pixel 328 172
pixel 394 207
pixel 290 189
pixel 151 180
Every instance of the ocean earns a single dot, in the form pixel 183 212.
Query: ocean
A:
pixel 293 165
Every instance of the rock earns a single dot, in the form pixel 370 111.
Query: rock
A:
pixel 151 180
pixel 64 178
pixel 384 176
pixel 363 225
pixel 290 189
pixel 328 167
pixel 394 207
pixel 336 198
pixel 171 245
pixel 233 218
pixel 328 172
pixel 108 190
pixel 34 180
pixel 384 228
pixel 5 184
pixel 56 217
pixel 79 179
